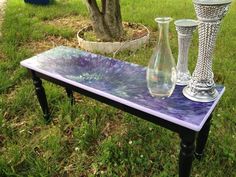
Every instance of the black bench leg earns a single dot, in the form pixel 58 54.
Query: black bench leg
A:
pixel 202 139
pixel 40 92
pixel 186 154
pixel 69 93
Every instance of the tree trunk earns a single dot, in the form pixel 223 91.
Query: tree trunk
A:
pixel 107 22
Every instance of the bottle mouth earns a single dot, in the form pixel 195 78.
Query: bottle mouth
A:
pixel 163 19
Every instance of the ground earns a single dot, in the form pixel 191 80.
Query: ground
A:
pixel 93 139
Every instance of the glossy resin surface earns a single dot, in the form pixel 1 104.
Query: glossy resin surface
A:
pixel 120 81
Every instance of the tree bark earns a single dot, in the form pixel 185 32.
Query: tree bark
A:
pixel 107 22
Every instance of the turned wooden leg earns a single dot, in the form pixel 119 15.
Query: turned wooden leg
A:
pixel 186 154
pixel 40 92
pixel 202 138
pixel 69 93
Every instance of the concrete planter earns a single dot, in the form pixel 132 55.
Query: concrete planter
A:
pixel 111 47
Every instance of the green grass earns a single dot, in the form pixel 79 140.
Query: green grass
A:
pixel 90 138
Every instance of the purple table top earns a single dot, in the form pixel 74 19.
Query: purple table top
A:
pixel 120 81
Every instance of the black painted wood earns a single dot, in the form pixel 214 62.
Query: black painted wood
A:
pixel 202 139
pixel 187 136
pixel 40 2
pixel 187 147
pixel 40 92
pixel 69 93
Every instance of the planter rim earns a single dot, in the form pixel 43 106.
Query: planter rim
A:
pixel 113 47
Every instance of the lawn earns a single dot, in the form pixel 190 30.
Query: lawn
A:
pixel 90 138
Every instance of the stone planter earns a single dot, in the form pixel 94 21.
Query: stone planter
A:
pixel 111 47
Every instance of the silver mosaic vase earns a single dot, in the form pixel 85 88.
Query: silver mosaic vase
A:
pixel 185 29
pixel 201 87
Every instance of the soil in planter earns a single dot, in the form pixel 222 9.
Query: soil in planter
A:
pixel 132 32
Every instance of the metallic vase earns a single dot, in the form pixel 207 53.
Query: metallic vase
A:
pixel 201 87
pixel 185 29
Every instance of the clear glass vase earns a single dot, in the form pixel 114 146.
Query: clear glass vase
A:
pixel 161 71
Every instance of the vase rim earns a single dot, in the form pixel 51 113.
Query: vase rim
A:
pixel 186 23
pixel 163 19
pixel 212 2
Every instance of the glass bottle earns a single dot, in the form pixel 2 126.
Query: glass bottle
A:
pixel 161 71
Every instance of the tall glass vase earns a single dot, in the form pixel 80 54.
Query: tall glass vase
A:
pixel 161 71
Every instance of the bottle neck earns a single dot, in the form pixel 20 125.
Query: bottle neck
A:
pixel 164 32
